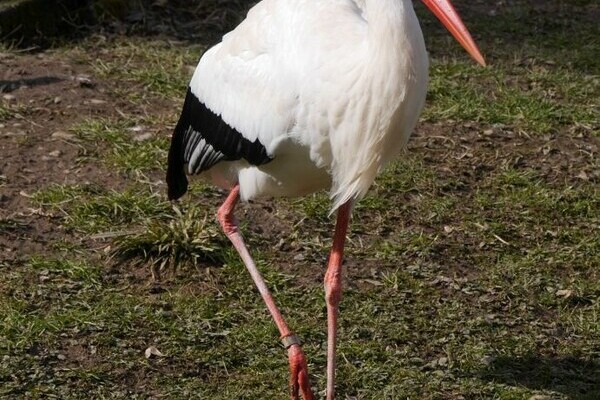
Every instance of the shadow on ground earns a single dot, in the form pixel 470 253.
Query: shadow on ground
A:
pixel 577 378
pixel 564 29
pixel 10 85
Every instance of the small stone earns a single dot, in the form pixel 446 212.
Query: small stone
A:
pixel 55 153
pixel 9 97
pixel 143 137
pixel 85 81
pixel 583 176
pixel 137 128
pixel 97 101
pixel 299 257
pixel 487 360
pixel 61 357
pixel 57 99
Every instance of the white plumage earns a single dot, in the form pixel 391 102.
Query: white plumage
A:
pixel 311 81
pixel 306 95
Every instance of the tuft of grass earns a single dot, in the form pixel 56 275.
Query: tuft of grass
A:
pixel 93 209
pixel 175 239
pixel 5 113
pixel 9 111
pixel 124 150
pixel 157 67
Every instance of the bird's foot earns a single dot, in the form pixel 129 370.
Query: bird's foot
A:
pixel 299 382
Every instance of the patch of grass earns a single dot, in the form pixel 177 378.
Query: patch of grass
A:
pixel 532 200
pixel 127 148
pixel 93 209
pixel 156 67
pixel 9 111
pixel 179 238
pixel 542 75
pixel 57 282
pixel 11 224
pixel 497 96
pixel 5 113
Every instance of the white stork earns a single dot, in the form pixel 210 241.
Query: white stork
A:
pixel 306 95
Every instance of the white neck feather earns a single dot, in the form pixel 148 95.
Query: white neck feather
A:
pixel 389 19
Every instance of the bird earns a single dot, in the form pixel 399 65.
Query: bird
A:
pixel 304 96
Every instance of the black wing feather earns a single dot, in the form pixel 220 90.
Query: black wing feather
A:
pixel 201 139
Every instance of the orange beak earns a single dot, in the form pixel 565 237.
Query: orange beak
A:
pixel 446 13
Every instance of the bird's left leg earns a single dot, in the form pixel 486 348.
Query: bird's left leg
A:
pixel 298 367
pixel 333 290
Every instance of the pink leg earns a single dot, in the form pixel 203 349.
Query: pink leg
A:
pixel 298 368
pixel 333 291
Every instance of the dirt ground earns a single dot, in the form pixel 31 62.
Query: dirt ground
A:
pixel 37 148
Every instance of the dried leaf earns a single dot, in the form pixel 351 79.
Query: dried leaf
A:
pixel 153 351
pixel 566 293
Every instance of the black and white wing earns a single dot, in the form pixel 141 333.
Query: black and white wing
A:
pixel 240 101
pixel 200 140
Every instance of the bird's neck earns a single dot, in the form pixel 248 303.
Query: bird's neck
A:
pixel 390 21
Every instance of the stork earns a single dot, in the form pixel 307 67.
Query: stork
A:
pixel 302 96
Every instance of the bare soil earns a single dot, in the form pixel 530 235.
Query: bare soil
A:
pixel 37 148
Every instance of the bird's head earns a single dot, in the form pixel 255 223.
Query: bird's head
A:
pixel 444 10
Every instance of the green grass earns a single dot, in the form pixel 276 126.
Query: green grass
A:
pixel 153 67
pixel 496 96
pixel 9 111
pixel 127 152
pixel 542 75
pixel 93 209
pixel 177 239
pixel 472 264
pixel 5 113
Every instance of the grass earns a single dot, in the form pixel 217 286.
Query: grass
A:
pixel 9 111
pixel 160 68
pixel 5 113
pixel 93 209
pixel 179 238
pixel 550 103
pixel 537 56
pixel 472 264
pixel 132 146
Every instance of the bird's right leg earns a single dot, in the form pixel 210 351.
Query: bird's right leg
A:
pixel 298 369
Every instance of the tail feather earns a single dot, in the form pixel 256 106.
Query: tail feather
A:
pixel 177 181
